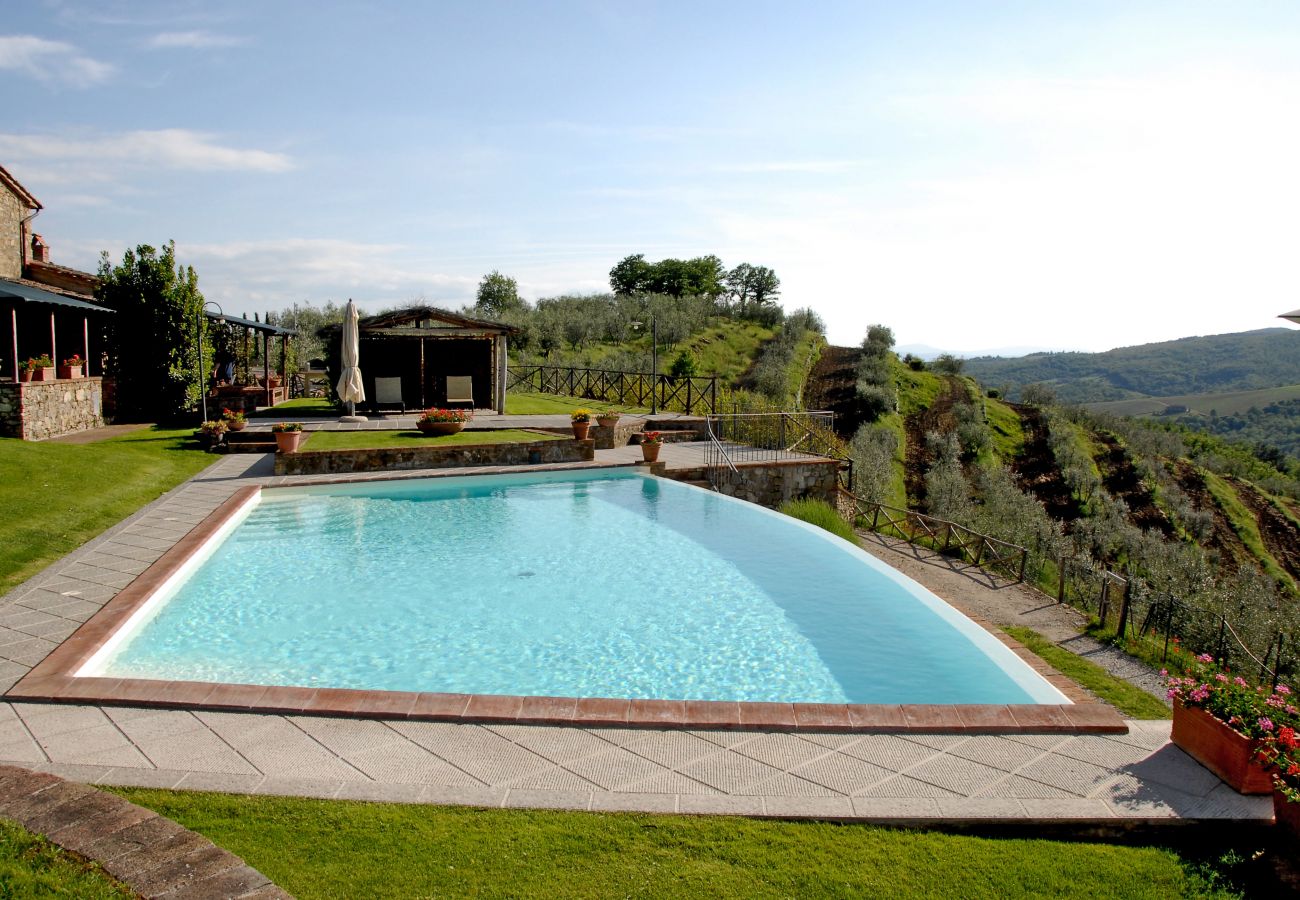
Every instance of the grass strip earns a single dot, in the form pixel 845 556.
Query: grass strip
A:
pixel 30 866
pixel 1130 700
pixel 320 848
pixel 1246 526
pixel 377 440
pixel 821 514
pixel 533 404
pixel 55 497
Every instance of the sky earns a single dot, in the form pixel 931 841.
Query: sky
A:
pixel 978 176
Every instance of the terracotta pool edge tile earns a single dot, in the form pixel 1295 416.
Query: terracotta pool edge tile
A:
pixel 821 716
pixel 934 718
pixel 986 719
pixel 547 710
pixel 876 718
pixel 1042 718
pixel 652 713
pixel 768 716
pixel 492 708
pixel 433 706
pixel 601 711
pixel 721 714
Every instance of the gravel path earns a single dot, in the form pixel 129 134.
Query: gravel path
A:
pixel 1009 603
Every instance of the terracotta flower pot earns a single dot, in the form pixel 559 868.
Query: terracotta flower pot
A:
pixel 44 373
pixel 288 441
pixel 440 428
pixel 26 374
pixel 580 430
pixel 650 452
pixel 1223 751
pixel 607 421
pixel 69 371
pixel 235 426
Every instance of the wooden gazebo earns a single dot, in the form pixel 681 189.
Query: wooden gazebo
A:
pixel 422 346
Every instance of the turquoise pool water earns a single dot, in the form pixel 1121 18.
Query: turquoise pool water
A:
pixel 596 584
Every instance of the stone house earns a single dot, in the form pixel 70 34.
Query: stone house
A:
pixel 45 310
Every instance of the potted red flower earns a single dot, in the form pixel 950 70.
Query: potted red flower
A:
pixel 288 436
pixel 1281 750
pixel 436 421
pixel 37 368
pixel 235 421
pixel 651 442
pixel 1223 722
pixel 71 367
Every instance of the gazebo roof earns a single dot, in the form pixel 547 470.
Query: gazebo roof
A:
pixel 1293 316
pixel 415 318
pixel 249 323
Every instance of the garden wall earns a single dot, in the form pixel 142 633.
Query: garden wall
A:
pixel 36 410
pixel 326 462
pixel 772 483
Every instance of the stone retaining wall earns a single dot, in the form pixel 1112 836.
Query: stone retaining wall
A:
pixel 35 410
pixel 328 462
pixel 772 483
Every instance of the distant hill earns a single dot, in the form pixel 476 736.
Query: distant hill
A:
pixel 1247 361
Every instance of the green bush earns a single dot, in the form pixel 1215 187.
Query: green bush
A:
pixel 821 514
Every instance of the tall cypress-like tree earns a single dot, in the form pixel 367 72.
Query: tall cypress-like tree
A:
pixel 154 336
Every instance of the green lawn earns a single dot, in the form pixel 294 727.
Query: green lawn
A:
pixel 318 848
pixel 55 497
pixel 1129 699
pixel 303 406
pixel 356 440
pixel 31 866
pixel 530 404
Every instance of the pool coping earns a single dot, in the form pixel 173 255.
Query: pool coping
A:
pixel 53 680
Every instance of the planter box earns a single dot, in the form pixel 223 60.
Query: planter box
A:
pixel 69 371
pixel 44 373
pixel 1287 815
pixel 1219 748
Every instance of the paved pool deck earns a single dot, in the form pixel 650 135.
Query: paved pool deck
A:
pixel 1115 780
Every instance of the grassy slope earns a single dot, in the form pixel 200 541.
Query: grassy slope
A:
pixel 725 349
pixel 315 848
pixel 353 440
pixel 1008 433
pixel 1246 526
pixel 55 497
pixel 31 866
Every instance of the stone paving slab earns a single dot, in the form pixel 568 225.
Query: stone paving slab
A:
pixel 913 776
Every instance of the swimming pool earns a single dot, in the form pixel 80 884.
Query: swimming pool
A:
pixel 596 584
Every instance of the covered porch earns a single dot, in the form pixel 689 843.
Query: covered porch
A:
pixel 38 402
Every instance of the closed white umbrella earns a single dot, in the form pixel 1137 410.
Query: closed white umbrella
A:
pixel 351 390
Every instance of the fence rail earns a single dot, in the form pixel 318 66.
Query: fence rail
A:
pixel 944 536
pixel 1122 603
pixel 763 437
pixel 691 395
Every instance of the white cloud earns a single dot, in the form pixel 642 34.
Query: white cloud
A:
pixel 53 62
pixel 273 274
pixel 194 40
pixel 98 157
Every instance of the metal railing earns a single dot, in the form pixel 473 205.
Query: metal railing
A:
pixel 691 395
pixel 765 437
pixel 946 537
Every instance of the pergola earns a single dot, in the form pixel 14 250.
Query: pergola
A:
pixel 251 327
pixel 422 346
pixel 42 321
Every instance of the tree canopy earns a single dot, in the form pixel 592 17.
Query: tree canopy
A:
pixel 702 276
pixel 498 295
pixel 154 335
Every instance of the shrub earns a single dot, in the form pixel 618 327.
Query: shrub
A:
pixel 821 514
